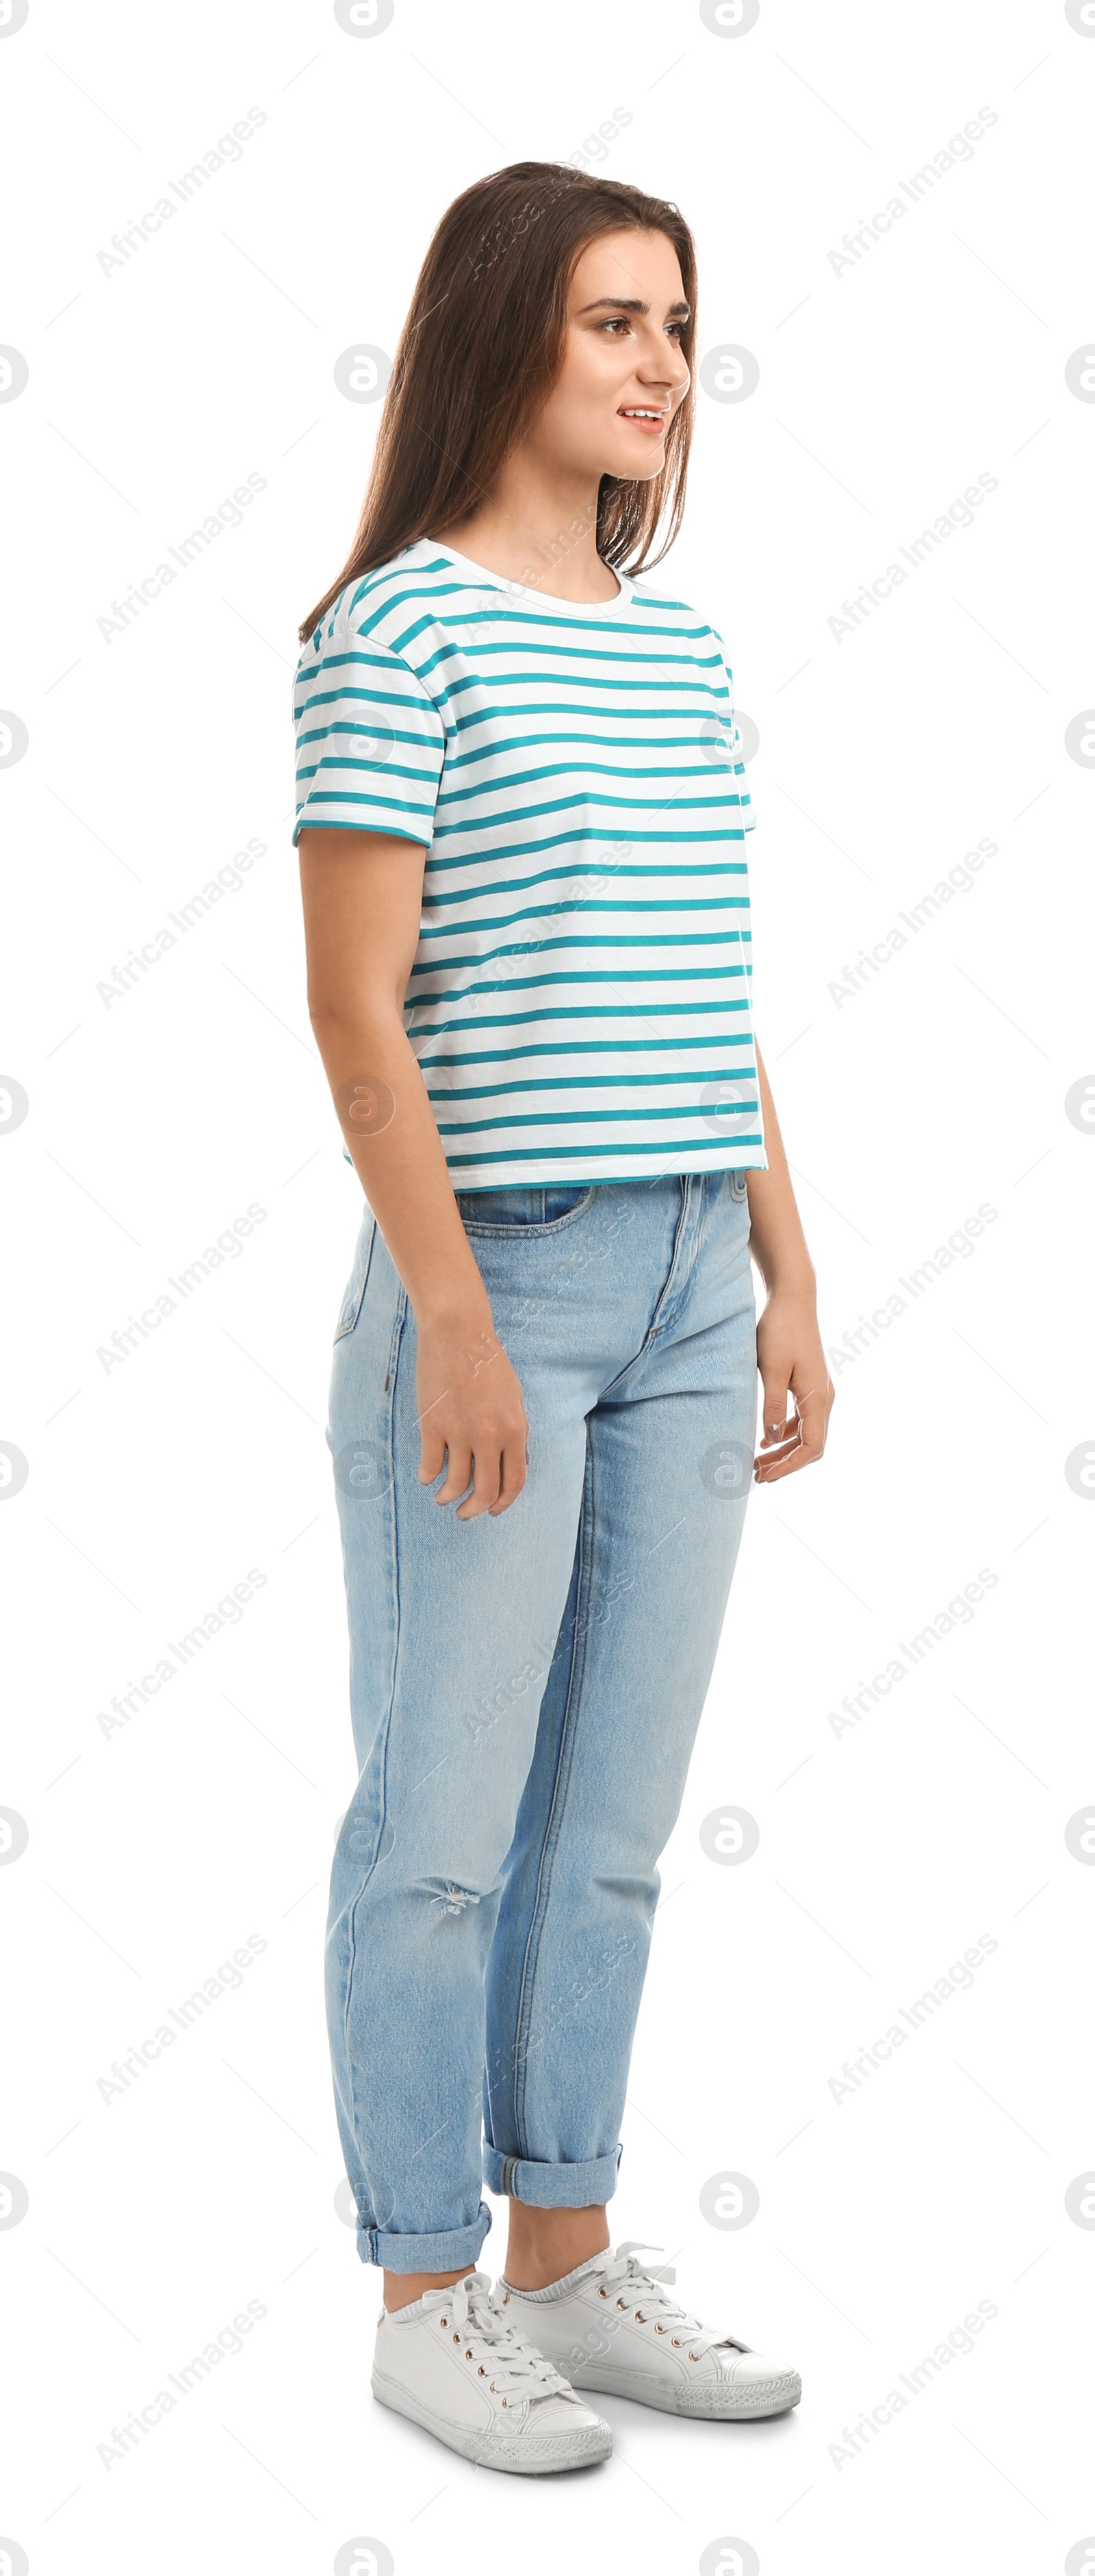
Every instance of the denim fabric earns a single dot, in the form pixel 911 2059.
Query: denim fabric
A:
pixel 525 1694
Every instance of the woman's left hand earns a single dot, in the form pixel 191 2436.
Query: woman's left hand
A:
pixel 791 1360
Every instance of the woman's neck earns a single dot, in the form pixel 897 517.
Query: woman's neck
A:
pixel 543 535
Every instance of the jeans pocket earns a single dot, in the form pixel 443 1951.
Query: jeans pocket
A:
pixel 523 1211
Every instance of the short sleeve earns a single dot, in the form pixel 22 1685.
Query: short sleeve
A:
pixel 370 742
pixel 747 816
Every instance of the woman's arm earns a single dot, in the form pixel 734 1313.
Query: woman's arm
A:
pixel 362 895
pixel 790 1352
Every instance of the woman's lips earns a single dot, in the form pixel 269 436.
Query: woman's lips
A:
pixel 654 427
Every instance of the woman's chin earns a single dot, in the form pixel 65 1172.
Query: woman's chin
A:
pixel 638 469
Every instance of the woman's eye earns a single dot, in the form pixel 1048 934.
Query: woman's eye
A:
pixel 620 322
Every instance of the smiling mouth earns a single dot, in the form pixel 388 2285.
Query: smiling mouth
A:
pixel 645 416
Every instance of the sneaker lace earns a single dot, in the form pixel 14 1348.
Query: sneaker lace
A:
pixel 642 2287
pixel 510 2364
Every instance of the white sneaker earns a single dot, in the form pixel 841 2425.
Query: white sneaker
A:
pixel 455 2365
pixel 610 2326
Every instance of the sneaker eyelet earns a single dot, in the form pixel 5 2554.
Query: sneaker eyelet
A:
pixel 640 2320
pixel 676 2343
pixel 444 2321
pixel 482 2372
pixel 456 2338
pixel 622 2303
pixel 602 2294
pixel 659 2329
pixel 693 2356
pixel 469 2355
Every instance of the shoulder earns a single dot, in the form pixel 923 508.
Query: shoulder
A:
pixel 377 614
pixel 657 601
pixel 377 640
pixel 363 603
pixel 648 592
pixel 663 611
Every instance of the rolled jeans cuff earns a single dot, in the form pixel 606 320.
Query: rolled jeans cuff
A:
pixel 557 2186
pixel 441 2252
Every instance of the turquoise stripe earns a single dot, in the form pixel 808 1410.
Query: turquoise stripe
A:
pixel 497 714
pixel 433 1028
pixel 544 1153
pixel 687 868
pixel 544 655
pixel 594 1118
pixel 587 904
pixel 374 581
pixel 541 947
pixel 585 975
pixel 581 1046
pixel 605 1082
pixel 406 741
pixel 513 614
pixel 510 609
pixel 391 769
pixel 583 907
pixel 565 840
pixel 354 656
pixel 577 680
pixel 342 689
pixel 583 797
pixel 590 768
pixel 401 804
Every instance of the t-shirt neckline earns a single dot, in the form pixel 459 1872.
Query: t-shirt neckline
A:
pixel 520 591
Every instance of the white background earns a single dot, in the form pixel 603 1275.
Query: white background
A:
pixel 156 1119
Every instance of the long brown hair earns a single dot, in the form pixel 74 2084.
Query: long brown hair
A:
pixel 480 351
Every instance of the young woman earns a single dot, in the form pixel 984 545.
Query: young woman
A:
pixel 521 824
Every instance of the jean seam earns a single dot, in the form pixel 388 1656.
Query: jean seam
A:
pixel 663 1302
pixel 527 1998
pixel 382 1805
pixel 351 1323
pixel 393 1349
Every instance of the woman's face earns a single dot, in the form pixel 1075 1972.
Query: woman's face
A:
pixel 623 373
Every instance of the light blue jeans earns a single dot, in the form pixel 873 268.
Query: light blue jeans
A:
pixel 525 1693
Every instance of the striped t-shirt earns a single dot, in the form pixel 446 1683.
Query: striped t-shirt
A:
pixel 579 1002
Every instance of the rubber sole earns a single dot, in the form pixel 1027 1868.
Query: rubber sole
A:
pixel 771 2397
pixel 542 2456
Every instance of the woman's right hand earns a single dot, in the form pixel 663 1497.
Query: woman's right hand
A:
pixel 470 1404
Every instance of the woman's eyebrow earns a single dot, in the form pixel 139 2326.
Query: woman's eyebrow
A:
pixel 631 304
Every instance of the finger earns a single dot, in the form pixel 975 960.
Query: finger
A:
pixel 458 1479
pixel 433 1455
pixel 775 1404
pixel 786 1428
pixel 789 1466
pixel 488 1473
pixel 813 1407
pixel 514 1475
pixel 769 1461
pixel 787 1461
